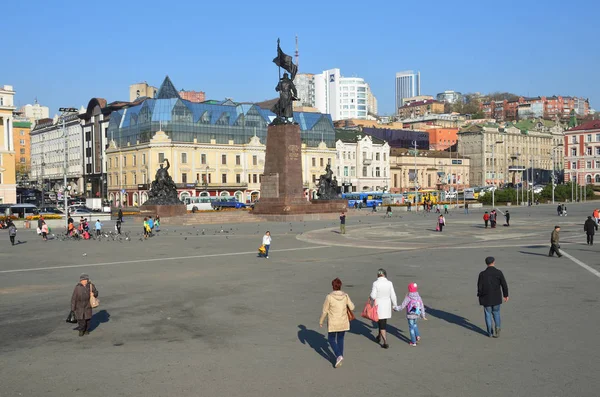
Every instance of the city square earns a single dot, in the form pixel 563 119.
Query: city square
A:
pixel 193 310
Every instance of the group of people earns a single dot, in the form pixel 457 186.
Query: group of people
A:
pixel 492 290
pixel 150 225
pixel 42 228
pixel 561 210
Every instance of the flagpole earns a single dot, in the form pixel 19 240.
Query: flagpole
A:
pixel 279 67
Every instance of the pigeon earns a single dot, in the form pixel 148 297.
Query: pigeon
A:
pixel 84 254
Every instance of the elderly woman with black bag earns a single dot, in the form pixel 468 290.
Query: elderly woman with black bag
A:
pixel 82 301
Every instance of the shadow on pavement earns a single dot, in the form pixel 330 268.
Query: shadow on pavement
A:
pixel 101 317
pixel 357 327
pixel 317 341
pixel 391 330
pixel 455 319
pixel 533 253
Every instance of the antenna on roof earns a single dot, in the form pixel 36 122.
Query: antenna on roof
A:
pixel 297 54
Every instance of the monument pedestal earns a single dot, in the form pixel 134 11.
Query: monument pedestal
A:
pixel 281 188
pixel 164 211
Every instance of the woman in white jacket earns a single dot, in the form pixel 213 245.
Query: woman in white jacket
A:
pixel 384 296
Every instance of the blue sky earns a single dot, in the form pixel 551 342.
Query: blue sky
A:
pixel 65 55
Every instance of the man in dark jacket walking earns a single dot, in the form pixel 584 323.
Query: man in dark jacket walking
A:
pixel 491 290
pixel 554 242
pixel 507 216
pixel 80 303
pixel 590 228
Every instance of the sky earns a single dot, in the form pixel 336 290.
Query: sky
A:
pixel 64 53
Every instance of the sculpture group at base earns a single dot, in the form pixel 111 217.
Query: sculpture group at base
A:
pixel 163 190
pixel 328 186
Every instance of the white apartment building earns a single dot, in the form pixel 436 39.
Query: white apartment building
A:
pixel 362 162
pixel 47 154
pixel 34 112
pixel 305 85
pixel 342 97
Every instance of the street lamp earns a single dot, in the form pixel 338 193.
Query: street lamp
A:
pixel 65 112
pixel 494 173
pixel 553 173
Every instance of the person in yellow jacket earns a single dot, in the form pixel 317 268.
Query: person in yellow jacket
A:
pixel 335 308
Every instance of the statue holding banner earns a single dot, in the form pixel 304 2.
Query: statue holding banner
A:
pixel 284 108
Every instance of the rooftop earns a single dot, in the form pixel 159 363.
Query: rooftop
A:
pixel 588 125
pixel 420 103
pixel 352 136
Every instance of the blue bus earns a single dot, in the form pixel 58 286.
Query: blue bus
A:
pixel 364 199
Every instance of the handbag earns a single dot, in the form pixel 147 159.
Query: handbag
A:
pixel 351 315
pixel 437 228
pixel 71 318
pixel 370 311
pixel 94 302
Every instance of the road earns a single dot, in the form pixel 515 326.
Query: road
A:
pixel 194 311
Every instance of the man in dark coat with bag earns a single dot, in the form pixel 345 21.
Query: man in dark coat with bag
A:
pixel 80 303
pixel 492 289
pixel 590 228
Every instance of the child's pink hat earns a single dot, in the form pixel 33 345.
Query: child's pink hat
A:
pixel 412 287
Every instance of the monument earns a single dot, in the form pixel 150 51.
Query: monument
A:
pixel 282 192
pixel 162 197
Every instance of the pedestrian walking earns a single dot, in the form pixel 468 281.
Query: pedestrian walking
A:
pixel 596 215
pixel 466 208
pixel 409 206
pixel 12 231
pixel 335 309
pixel 493 217
pixel 554 242
pixel 486 219
pixel 564 209
pixel 441 222
pixel 157 223
pixel 44 231
pixel 559 210
pixel 266 241
pixel 118 226
pixel 98 227
pixel 590 226
pixel 80 303
pixel 388 212
pixel 491 290
pixel 40 222
pixel 507 217
pixel 120 215
pixel 385 297
pixel 438 209
pixel 414 309
pixel 445 208
pixel 146 228
pixel 151 224
pixel 343 223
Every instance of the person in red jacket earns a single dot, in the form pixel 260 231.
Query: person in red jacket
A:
pixel 486 219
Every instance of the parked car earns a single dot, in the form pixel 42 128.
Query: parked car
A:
pixel 51 211
pixel 80 211
pixel 226 203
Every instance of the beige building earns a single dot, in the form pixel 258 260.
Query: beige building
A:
pixel 499 153
pixel 201 168
pixel 140 90
pixel 34 112
pixel 433 170
pixel 8 186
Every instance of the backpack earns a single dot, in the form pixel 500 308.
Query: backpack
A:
pixel 414 306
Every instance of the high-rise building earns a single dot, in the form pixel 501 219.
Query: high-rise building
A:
pixel 305 85
pixel 371 102
pixel 408 84
pixel 8 187
pixel 341 97
pixel 34 112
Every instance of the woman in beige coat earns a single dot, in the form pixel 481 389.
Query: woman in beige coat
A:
pixel 335 308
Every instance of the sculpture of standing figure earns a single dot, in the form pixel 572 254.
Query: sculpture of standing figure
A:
pixel 287 95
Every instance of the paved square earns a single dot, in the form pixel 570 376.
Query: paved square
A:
pixel 194 311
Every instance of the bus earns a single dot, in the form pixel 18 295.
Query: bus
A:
pixel 470 194
pixel 200 203
pixel 393 198
pixel 363 199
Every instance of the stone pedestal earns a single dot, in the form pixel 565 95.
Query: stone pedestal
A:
pixel 281 188
pixel 164 211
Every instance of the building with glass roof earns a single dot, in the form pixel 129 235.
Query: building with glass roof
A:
pixel 214 147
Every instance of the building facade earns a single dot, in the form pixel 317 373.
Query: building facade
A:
pixel 140 90
pixel 372 109
pixel 536 107
pixel 34 112
pixel 408 84
pixel 582 153
pixel 450 96
pixel 22 141
pixel 48 155
pixel 214 148
pixel 398 138
pixel 442 138
pixel 8 185
pixel 427 169
pixel 305 85
pixel 193 96
pixel 421 108
pixel 500 153
pixel 341 97
pixel 362 162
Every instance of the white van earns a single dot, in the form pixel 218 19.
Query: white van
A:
pixel 24 210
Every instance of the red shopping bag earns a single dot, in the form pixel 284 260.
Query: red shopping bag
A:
pixel 370 311
pixel 437 228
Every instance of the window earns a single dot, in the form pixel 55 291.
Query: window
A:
pixel 345 171
pixel 109 163
pixel 161 157
pixel 223 159
pixel 223 178
pixel 209 178
pixel 22 151
pixel 395 180
pixel 22 141
pixel 321 161
pixel 314 162
pixel 364 171
pixel 574 152
pixel 88 152
pixel 124 161
pixel 384 157
pixel 134 178
pixel 134 160
pixel 589 138
pixel 22 160
pixel 22 133
pixel 203 158
pixel 597 164
pixel 588 179
pixel 574 165
pixel 597 137
pixel 597 149
pixel 238 159
pixel 344 155
pixel 254 178
pixel 364 155
pixel 184 178
pixel 597 178
pixel 144 159
pixel 588 151
pixel 574 139
pixel 88 168
pixel 376 156
pixel 352 171
pixel 116 162
pixel 124 179
pixel 588 164
pixel 377 172
pixel 183 158
pixel 254 160
pixel 238 178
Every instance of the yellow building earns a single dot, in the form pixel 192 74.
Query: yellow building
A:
pixel 8 186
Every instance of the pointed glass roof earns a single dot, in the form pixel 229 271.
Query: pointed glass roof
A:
pixel 167 90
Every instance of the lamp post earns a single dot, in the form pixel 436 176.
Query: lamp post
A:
pixel 65 112
pixel 494 173
pixel 553 173
pixel 415 179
